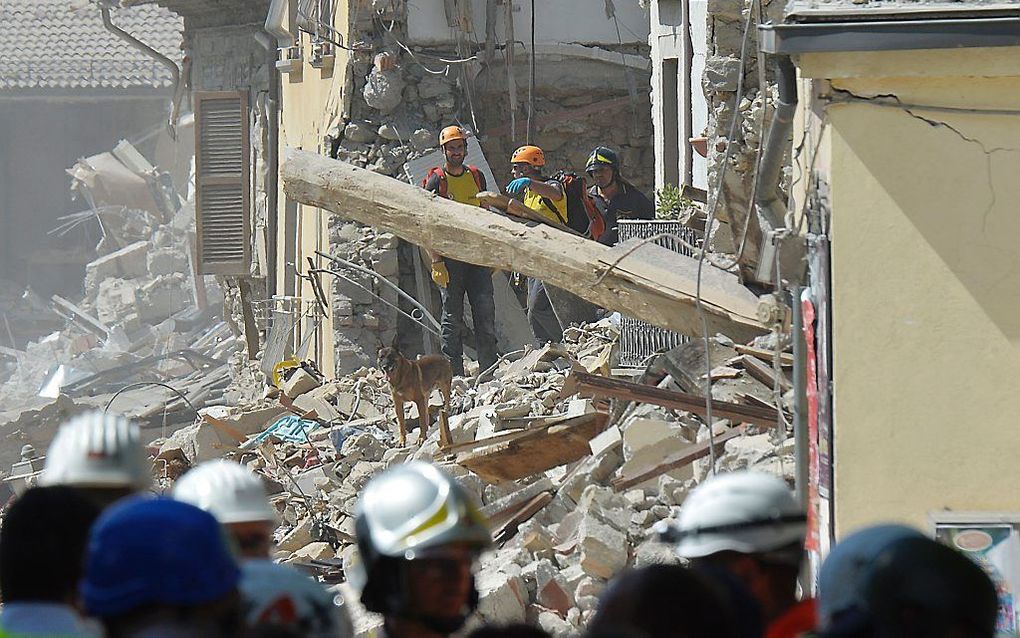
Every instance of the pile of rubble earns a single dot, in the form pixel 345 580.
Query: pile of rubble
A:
pixel 147 337
pixel 571 486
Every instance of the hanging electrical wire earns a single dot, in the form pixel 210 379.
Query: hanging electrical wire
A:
pixel 508 52
pixel 141 384
pixel 531 80
pixel 710 221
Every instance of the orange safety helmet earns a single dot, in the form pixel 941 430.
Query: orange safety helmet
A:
pixel 451 133
pixel 528 155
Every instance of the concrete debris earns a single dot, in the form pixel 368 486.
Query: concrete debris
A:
pixel 384 89
pixel 145 339
pixel 561 531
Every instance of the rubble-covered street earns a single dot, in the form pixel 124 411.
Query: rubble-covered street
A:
pixel 571 482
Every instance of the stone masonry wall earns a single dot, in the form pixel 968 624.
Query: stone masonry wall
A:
pixel 726 19
pixel 398 105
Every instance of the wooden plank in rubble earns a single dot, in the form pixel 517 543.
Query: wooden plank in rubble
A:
pixel 599 386
pixel 535 450
pixel 680 459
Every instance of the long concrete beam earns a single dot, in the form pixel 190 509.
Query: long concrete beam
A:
pixel 652 283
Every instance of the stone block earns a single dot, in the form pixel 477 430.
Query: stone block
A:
pixel 360 133
pixel 162 297
pixel 721 74
pixel 116 299
pixel 125 263
pixel 604 549
pixel 299 383
pixel 423 139
pixel 746 451
pixel 643 519
pixel 608 440
pixel 673 491
pixel 553 624
pixel 362 472
pixel 652 552
pixel 298 537
pixel 313 551
pixel 606 505
pixel 384 89
pixel 587 603
pixel 166 261
pixel 535 538
pixel 589 586
pixel 394 456
pixel 432 87
pixel 501 599
pixel 552 591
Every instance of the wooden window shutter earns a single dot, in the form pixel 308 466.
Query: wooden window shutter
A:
pixel 222 182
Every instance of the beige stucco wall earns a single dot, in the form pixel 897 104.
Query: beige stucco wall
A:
pixel 926 283
pixel 309 103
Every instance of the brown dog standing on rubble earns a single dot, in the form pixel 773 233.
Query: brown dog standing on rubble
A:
pixel 414 381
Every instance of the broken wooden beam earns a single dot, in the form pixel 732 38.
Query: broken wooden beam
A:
pixel 599 386
pixel 82 318
pixel 507 529
pixel 764 373
pixel 785 358
pixel 535 450
pixel 681 459
pixel 647 282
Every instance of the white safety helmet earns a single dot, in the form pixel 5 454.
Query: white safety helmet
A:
pixel 97 450
pixel 227 490
pixel 414 507
pixel 744 512
pixel 282 596
pixel 409 512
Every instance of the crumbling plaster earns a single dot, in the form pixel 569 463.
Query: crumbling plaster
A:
pixel 580 21
pixel 922 230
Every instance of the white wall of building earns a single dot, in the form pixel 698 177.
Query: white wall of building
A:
pixel 556 21
pixel 698 104
pixel 679 107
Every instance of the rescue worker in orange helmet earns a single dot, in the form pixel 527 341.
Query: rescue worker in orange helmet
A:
pixel 546 197
pixel 461 182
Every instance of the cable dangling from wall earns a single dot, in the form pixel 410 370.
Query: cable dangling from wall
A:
pixel 531 80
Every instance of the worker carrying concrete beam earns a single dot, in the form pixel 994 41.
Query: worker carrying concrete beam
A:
pixel 545 196
pixel 461 182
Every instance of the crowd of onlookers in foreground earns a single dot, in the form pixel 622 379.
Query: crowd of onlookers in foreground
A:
pixel 90 552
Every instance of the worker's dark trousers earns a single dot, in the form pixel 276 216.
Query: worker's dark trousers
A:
pixel 476 282
pixel 544 324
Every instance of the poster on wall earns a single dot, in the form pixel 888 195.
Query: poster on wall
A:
pixel 996 548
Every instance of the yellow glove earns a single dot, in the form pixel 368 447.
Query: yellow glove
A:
pixel 440 274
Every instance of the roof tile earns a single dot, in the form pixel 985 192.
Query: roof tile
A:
pixel 51 44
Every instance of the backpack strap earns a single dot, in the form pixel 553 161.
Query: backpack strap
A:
pixel 477 174
pixel 437 171
pixel 551 206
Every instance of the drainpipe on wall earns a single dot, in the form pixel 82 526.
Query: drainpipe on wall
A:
pixel 273 161
pixel 276 21
pixel 175 72
pixel 769 208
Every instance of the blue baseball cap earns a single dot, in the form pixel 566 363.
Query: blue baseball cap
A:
pixel 843 574
pixel 153 551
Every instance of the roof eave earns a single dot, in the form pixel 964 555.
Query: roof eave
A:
pixel 889 35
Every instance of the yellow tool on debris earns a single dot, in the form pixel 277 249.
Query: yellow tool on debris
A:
pixel 283 366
